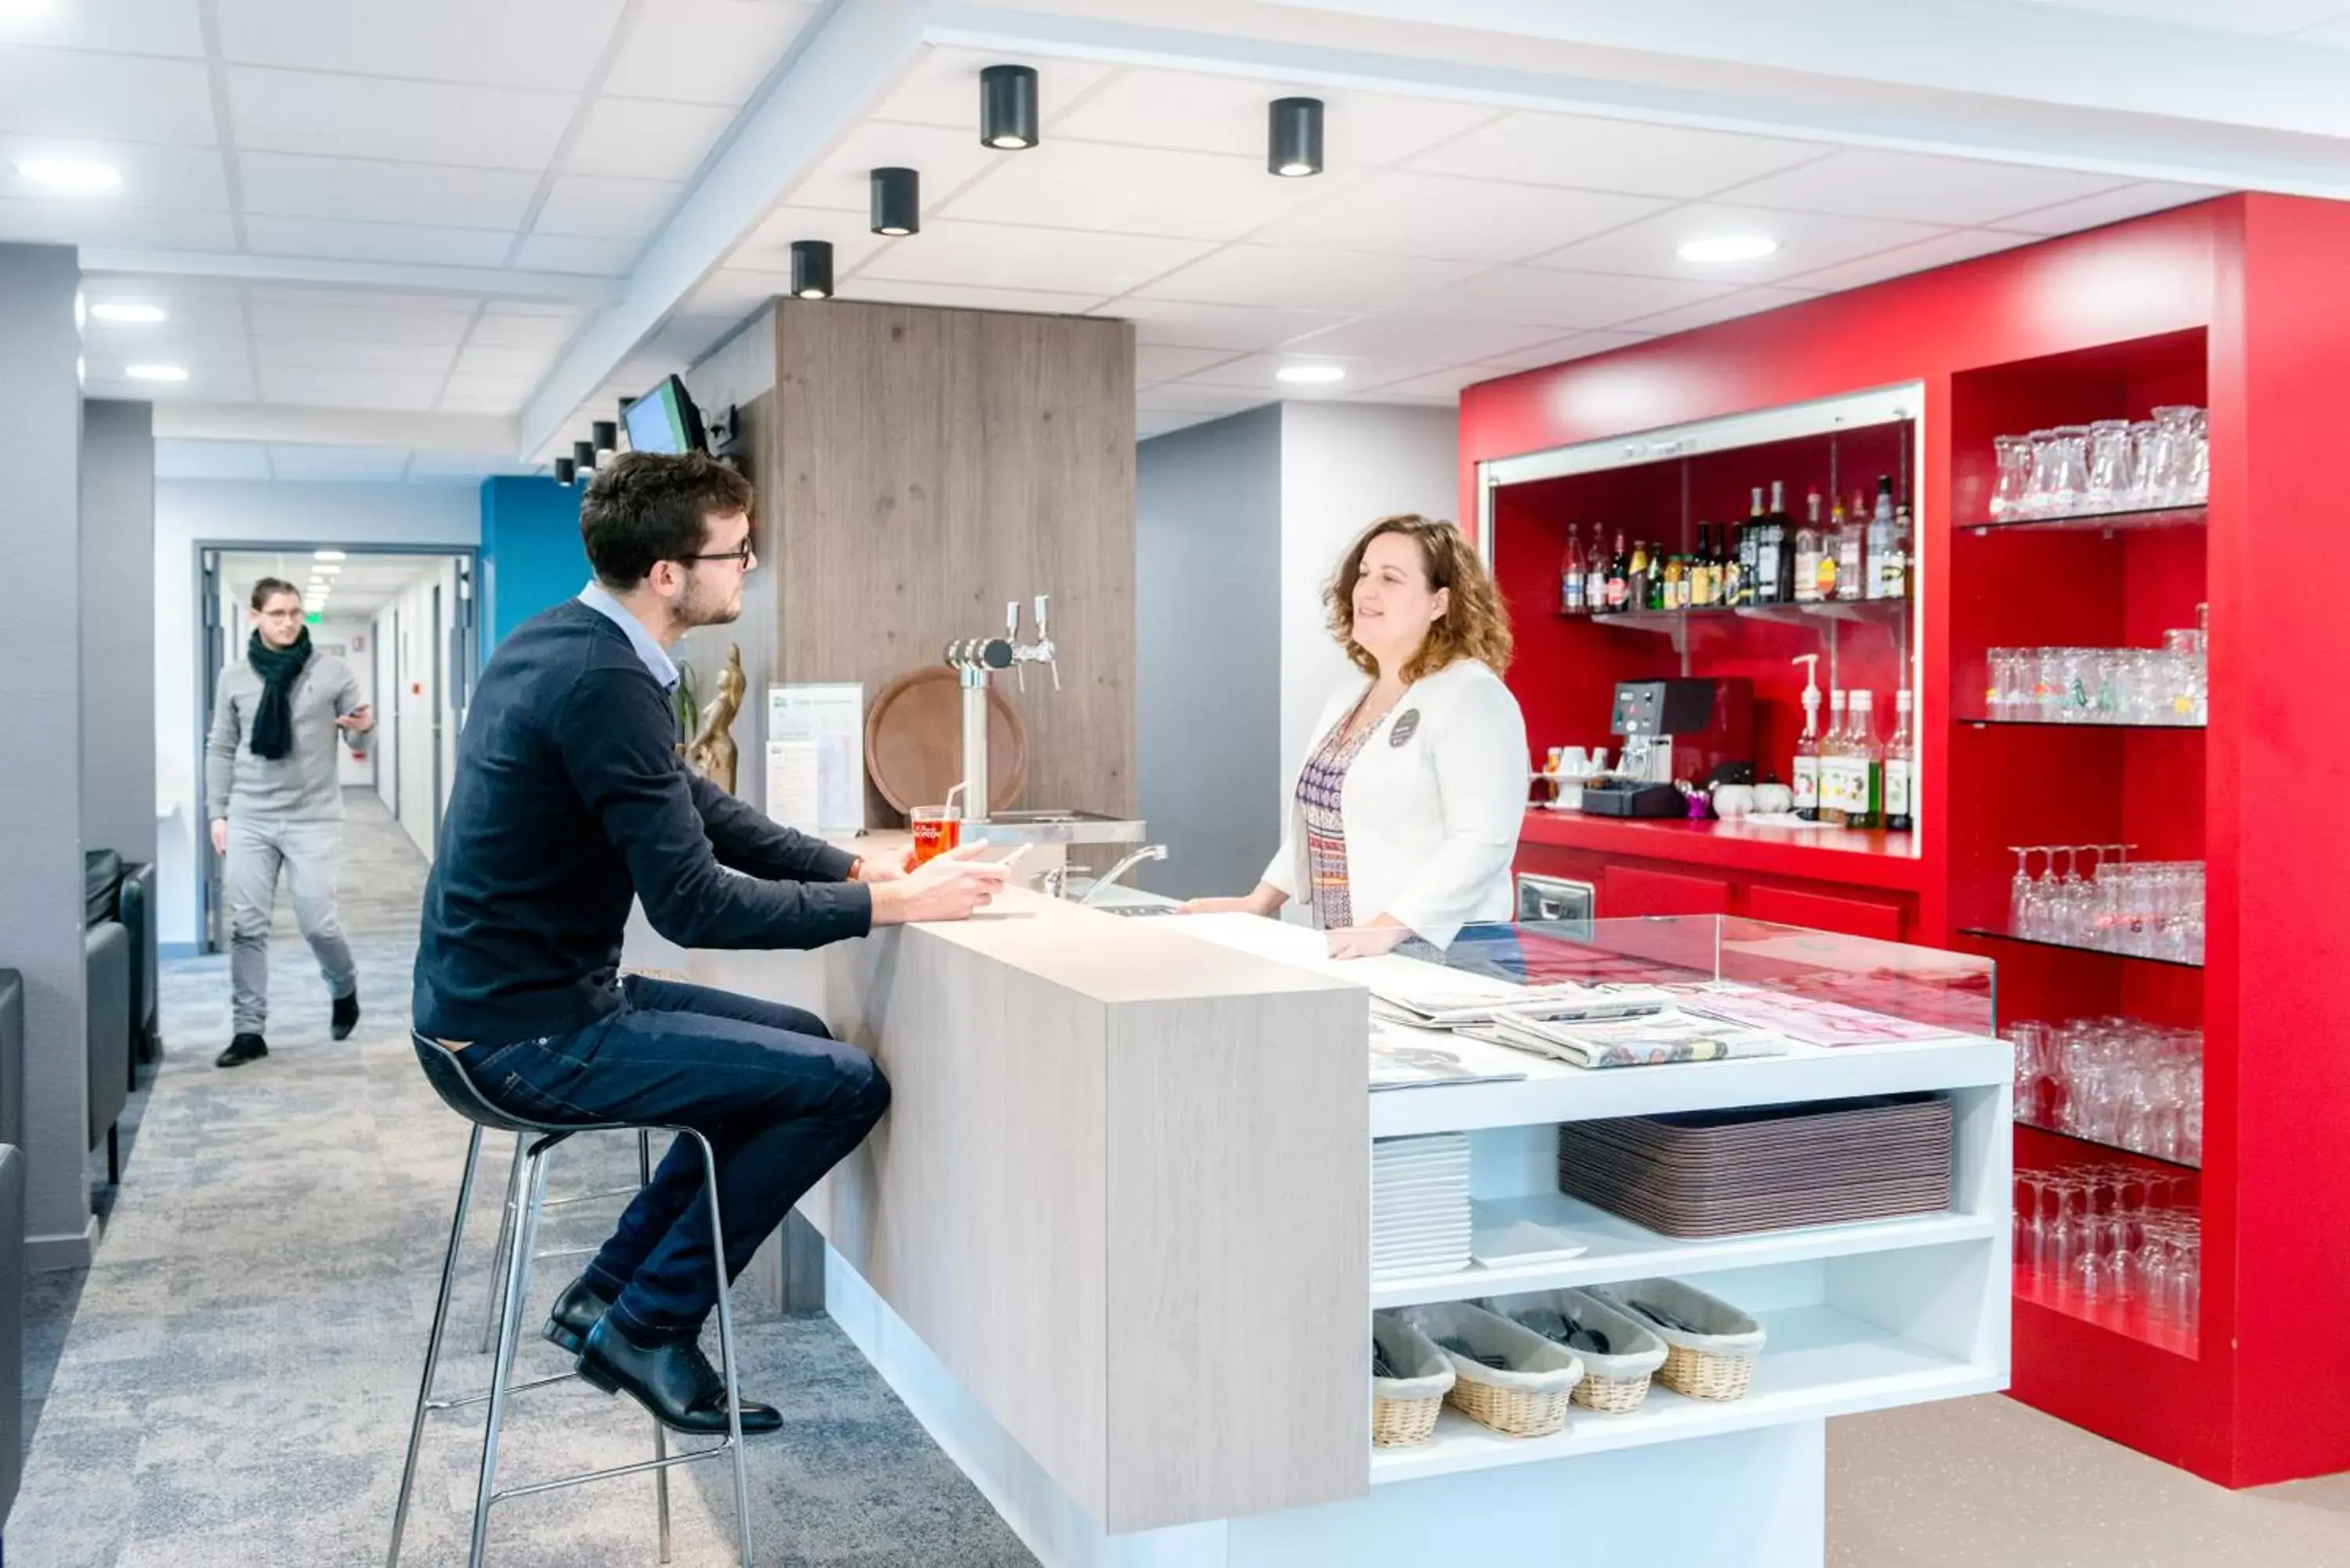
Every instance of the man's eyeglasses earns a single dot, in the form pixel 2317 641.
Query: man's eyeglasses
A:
pixel 742 556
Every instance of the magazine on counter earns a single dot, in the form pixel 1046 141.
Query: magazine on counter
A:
pixel 1682 1035
pixel 1813 1019
pixel 1451 1002
pixel 1407 1058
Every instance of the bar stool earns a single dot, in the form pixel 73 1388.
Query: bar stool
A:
pixel 528 1189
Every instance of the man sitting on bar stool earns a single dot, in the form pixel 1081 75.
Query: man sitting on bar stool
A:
pixel 570 802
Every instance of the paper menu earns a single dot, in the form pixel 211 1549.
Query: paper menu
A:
pixel 815 755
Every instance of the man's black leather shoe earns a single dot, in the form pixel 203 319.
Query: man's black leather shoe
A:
pixel 577 1310
pixel 673 1380
pixel 347 1015
pixel 242 1049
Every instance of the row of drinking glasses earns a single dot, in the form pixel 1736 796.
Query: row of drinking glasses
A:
pixel 2166 685
pixel 2101 898
pixel 2111 465
pixel 2115 1081
pixel 2111 1242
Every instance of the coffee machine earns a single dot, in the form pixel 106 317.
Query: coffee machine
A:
pixel 1674 732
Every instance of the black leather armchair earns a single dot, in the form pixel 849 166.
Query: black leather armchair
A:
pixel 135 911
pixel 106 963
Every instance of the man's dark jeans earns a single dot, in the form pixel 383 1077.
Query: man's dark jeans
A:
pixel 780 1100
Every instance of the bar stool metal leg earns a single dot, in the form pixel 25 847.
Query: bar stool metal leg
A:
pixel 433 1346
pixel 661 1433
pixel 505 1240
pixel 726 1347
pixel 517 1284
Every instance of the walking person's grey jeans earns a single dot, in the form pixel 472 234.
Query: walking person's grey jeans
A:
pixel 312 854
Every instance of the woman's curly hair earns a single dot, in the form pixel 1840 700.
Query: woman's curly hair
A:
pixel 1474 625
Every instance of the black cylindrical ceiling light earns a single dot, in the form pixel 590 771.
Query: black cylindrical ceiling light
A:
pixel 812 269
pixel 1007 107
pixel 897 202
pixel 605 436
pixel 583 456
pixel 1293 137
pixel 566 470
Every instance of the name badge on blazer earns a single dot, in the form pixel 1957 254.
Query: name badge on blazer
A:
pixel 1407 725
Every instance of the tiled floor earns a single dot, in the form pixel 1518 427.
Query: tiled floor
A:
pixel 236 1385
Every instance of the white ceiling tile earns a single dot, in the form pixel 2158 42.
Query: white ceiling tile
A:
pixel 1182 322
pixel 999 256
pixel 691 336
pixel 351 390
pixel 2112 207
pixel 608 209
pixel 965 297
pixel 1729 307
pixel 2244 16
pixel 288 185
pixel 1309 279
pixel 188 317
pixel 388 320
pixel 769 247
pixel 105 98
pixel 547 44
pixel 210 459
pixel 946 159
pixel 401 121
pixel 207 382
pixel 501 359
pixel 1160 362
pixel 1186 397
pixel 704 51
pixel 1537 297
pixel 735 291
pixel 300 295
pixel 565 253
pixel 376 242
pixel 547 333
pixel 497 404
pixel 570 310
pixel 327 354
pixel 1398 213
pixel 140 228
pixel 1206 113
pixel 1962 245
pixel 1613 155
pixel 1868 183
pixel 1806 240
pixel 153 176
pixel 348 464
pixel 942 87
pixel 1258 372
pixel 2333 34
pixel 1134 190
pixel 508 392
pixel 1398 334
pixel 1575 346
pixel 637 139
pixel 117 26
pixel 1147 425
pixel 1436 387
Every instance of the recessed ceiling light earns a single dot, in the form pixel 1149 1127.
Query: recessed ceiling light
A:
pixel 325 569
pixel 156 372
pixel 129 315
pixel 328 555
pixel 1729 248
pixel 69 173
pixel 1310 373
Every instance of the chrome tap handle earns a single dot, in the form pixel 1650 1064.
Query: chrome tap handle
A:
pixel 1011 620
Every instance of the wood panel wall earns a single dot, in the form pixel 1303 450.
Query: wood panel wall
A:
pixel 926 466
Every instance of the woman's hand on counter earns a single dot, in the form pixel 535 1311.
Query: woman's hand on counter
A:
pixel 947 887
pixel 1264 900
pixel 1380 935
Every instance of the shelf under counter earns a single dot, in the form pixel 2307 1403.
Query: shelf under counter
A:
pixel 1854 856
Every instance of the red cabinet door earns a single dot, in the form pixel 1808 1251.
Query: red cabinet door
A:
pixel 1627 893
pixel 1851 917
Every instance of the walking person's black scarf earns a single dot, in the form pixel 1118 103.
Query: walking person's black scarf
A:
pixel 279 668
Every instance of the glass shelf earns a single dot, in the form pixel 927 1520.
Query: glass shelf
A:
pixel 1672 622
pixel 2135 520
pixel 2001 936
pixel 1981 721
pixel 2101 1142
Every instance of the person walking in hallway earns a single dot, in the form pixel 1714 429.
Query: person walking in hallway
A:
pixel 270 782
pixel 571 801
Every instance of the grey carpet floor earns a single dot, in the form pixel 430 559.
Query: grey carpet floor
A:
pixel 236 1385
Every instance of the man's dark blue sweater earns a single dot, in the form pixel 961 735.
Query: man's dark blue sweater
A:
pixel 570 800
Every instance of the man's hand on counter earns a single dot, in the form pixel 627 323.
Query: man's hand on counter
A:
pixel 1368 941
pixel 884 869
pixel 948 888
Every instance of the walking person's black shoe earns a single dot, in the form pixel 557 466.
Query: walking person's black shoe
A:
pixel 242 1049
pixel 672 1379
pixel 578 1309
pixel 347 1015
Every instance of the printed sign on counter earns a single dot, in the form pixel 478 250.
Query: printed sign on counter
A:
pixel 815 755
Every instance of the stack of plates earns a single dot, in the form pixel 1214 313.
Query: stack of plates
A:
pixel 1420 1205
pixel 1721 1173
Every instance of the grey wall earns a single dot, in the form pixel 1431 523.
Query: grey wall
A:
pixel 118 627
pixel 1208 650
pixel 40 738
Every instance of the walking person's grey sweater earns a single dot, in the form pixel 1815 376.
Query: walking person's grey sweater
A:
pixel 300 785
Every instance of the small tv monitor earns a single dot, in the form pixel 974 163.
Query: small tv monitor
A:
pixel 665 420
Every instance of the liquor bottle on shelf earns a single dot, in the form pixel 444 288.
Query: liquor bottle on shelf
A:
pixel 1833 787
pixel 1864 776
pixel 1677 582
pixel 1656 576
pixel 1893 568
pixel 1901 768
pixel 1883 563
pixel 1619 577
pixel 1571 569
pixel 1806 771
pixel 1807 553
pixel 1777 579
pixel 1750 551
pixel 1851 551
pixel 1831 560
pixel 1635 577
pixel 1703 574
pixel 1594 575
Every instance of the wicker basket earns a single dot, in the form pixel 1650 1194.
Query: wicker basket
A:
pixel 1715 1364
pixel 1527 1396
pixel 1404 1408
pixel 1615 1383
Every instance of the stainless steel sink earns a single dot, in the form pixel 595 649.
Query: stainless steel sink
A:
pixel 1054 828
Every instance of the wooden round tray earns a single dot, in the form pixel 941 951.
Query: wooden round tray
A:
pixel 913 742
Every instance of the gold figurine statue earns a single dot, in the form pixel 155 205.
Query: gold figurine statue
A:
pixel 711 753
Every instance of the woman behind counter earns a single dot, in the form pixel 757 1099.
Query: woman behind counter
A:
pixel 1404 815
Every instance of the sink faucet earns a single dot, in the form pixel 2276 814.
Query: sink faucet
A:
pixel 1056 882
